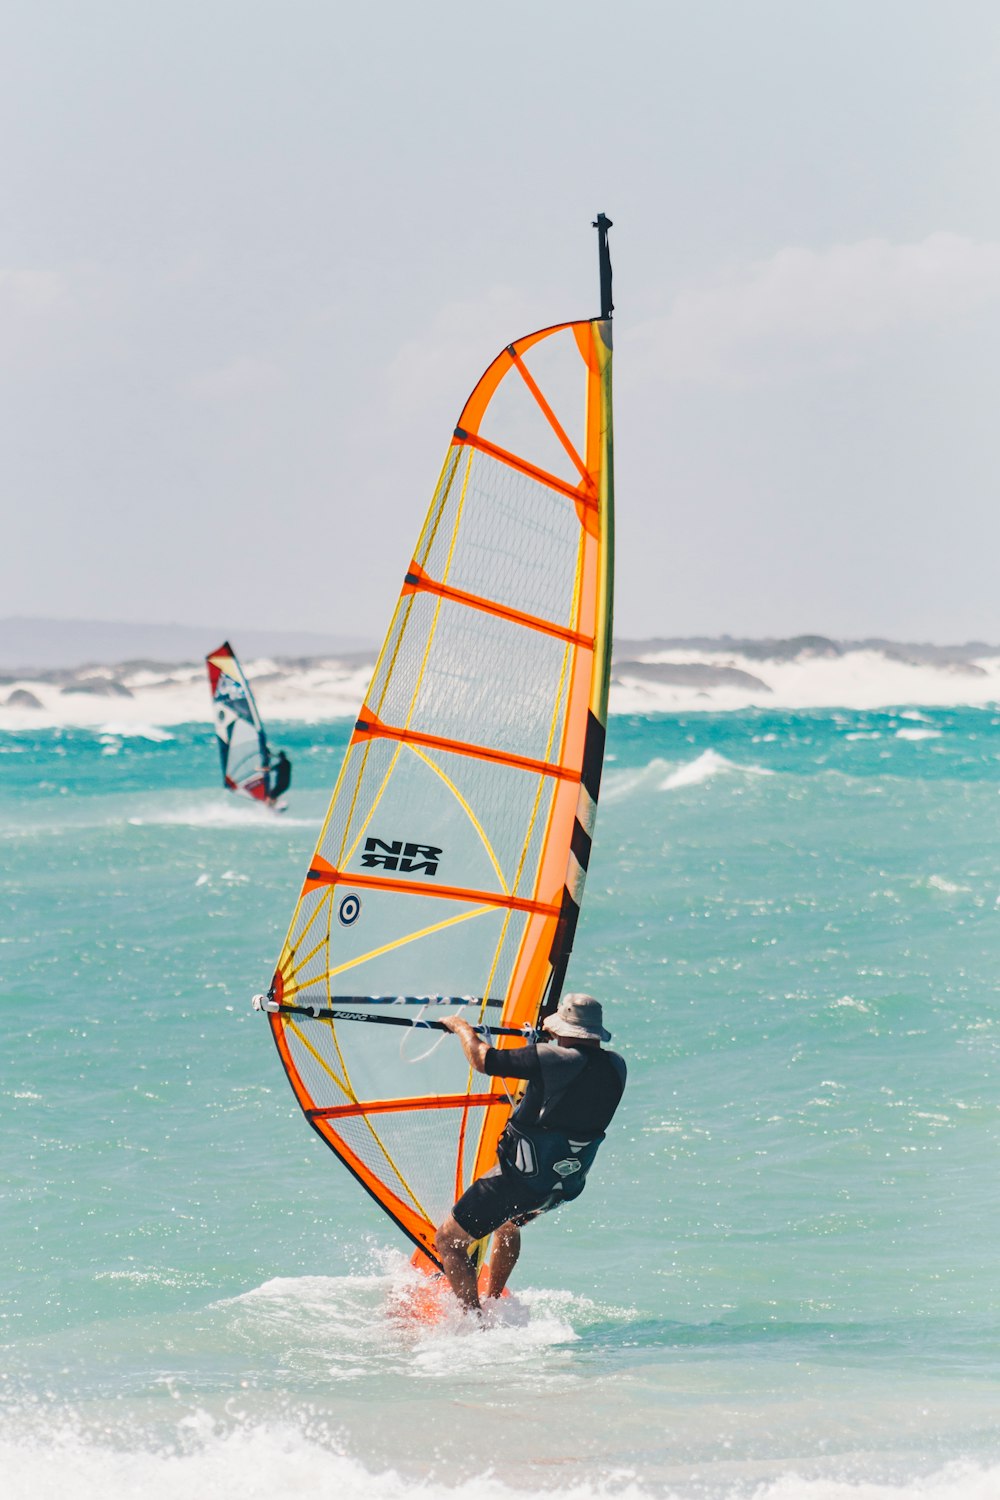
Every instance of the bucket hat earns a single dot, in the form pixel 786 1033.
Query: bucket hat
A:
pixel 578 1016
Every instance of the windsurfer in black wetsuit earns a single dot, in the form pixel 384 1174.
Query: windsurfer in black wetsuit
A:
pixel 573 1089
pixel 279 776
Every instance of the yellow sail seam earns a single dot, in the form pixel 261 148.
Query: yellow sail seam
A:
pixel 526 844
pixel 468 813
pixel 325 895
pixel 345 1087
pixel 403 609
pixel 558 709
pixel 362 830
pixel 364 762
pixel 410 597
pixel 410 714
pixel 297 968
pixel 437 606
pixel 487 989
pixel 416 686
pixel 400 1178
pixel 354 1100
pixel 452 457
pixel 409 937
pixel 333 1030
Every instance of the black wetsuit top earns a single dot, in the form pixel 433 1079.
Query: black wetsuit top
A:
pixel 281 776
pixel 572 1089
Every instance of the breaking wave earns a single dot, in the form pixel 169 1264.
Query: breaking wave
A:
pixel 660 775
pixel 284 1458
pixel 710 763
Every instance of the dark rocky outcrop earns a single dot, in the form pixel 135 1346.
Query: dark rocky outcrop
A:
pixel 100 687
pixel 792 648
pixel 686 674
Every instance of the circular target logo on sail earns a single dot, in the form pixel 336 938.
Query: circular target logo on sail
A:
pixel 349 910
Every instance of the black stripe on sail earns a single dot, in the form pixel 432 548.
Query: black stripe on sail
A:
pixel 581 844
pixel 593 755
pixel 562 947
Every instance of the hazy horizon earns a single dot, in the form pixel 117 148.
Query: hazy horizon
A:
pixel 253 262
pixel 50 644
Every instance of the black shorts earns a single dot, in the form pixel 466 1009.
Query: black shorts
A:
pixel 494 1200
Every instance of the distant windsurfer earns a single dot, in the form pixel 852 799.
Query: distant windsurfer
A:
pixel 573 1089
pixel 279 776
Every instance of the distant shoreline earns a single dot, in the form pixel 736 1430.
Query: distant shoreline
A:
pixel 653 676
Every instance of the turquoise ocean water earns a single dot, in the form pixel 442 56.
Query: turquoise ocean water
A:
pixel 782 1281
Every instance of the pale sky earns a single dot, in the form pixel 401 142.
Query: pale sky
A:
pixel 253 256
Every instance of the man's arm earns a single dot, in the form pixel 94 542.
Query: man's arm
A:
pixel 473 1046
pixel 511 1062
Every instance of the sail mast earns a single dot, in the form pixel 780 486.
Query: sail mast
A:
pixel 602 224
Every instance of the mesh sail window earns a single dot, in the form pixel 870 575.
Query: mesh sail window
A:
pixel 452 859
pixel 242 745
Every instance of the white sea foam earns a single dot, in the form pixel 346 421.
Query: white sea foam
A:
pixel 513 1336
pixel 858 679
pixel 918 734
pixel 223 812
pixel 58 1458
pixel 253 1442
pixel 710 763
pixel 347 1325
pixel 368 1317
pixel 618 785
pixel 323 690
pixel 939 883
pixel 125 729
pixel 179 695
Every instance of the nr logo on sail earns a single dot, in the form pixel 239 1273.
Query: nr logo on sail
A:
pixel 394 854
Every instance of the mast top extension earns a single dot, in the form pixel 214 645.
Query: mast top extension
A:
pixel 602 224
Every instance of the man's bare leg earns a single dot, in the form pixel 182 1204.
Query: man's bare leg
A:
pixel 503 1258
pixel 452 1245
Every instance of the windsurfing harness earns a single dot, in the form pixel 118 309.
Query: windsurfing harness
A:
pixel 551 1148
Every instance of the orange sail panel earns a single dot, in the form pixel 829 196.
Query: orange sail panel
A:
pixel 452 859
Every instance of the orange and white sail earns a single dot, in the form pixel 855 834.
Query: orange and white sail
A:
pixel 451 863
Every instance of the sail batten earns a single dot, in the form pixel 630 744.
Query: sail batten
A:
pixel 375 727
pixel 416 579
pixel 453 854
